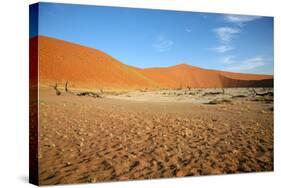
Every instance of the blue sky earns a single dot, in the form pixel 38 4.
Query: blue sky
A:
pixel 157 38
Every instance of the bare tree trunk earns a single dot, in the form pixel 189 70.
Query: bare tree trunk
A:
pixel 65 87
pixel 56 88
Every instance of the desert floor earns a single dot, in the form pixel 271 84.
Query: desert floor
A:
pixel 153 134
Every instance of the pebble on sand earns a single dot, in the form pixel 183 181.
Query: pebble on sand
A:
pixel 180 173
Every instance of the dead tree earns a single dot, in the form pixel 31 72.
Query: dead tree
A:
pixel 222 91
pixel 270 93
pixel 56 88
pixel 65 86
pixel 90 94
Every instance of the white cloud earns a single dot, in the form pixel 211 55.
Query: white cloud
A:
pixel 162 44
pixel 226 34
pixel 240 20
pixel 222 48
pixel 247 64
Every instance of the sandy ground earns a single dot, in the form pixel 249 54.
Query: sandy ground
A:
pixel 160 134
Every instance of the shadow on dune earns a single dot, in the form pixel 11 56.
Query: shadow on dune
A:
pixel 235 83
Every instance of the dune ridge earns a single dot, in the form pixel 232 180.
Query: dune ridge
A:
pixel 61 61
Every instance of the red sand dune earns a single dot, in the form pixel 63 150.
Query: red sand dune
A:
pixel 183 76
pixel 60 61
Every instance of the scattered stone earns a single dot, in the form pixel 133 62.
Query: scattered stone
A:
pixel 93 180
pixel 81 144
pixel 180 173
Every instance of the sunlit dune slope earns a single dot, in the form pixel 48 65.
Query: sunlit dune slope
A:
pixel 61 61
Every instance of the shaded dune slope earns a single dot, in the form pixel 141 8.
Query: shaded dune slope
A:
pixel 61 61
pixel 232 83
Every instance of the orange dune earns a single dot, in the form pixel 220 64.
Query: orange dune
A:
pixel 83 67
pixel 184 76
pixel 61 61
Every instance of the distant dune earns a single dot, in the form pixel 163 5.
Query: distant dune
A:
pixel 83 67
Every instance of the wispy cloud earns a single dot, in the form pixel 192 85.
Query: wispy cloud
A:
pixel 222 48
pixel 240 20
pixel 162 44
pixel 228 60
pixel 226 34
pixel 247 64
